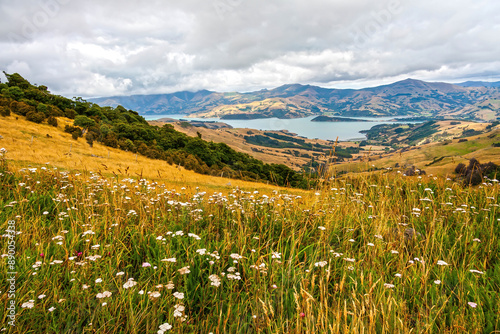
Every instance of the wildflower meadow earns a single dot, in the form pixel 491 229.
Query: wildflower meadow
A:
pixel 376 253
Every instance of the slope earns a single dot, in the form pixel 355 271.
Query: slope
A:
pixel 40 145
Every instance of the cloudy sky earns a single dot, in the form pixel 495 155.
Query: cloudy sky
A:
pixel 99 48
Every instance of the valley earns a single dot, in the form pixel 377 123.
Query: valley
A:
pixel 387 146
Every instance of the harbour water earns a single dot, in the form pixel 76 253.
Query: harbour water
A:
pixel 300 126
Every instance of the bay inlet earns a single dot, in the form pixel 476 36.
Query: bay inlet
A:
pixel 303 127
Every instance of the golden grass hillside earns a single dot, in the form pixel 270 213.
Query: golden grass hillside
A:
pixel 439 158
pixel 29 143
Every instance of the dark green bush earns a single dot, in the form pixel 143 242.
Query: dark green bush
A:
pixel 52 121
pixel 35 116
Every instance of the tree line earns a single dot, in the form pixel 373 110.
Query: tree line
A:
pixel 127 130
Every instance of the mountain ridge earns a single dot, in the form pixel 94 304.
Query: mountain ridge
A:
pixel 405 97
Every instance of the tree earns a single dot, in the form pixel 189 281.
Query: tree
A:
pixel 16 79
pixel 14 93
pixel 41 107
pixel 105 130
pixel 83 121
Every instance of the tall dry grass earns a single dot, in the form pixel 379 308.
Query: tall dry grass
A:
pixel 381 253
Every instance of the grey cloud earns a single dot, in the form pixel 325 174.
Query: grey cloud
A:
pixel 96 48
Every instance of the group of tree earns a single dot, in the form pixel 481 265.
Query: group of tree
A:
pixel 127 130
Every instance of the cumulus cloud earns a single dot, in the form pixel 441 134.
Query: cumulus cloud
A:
pixel 99 48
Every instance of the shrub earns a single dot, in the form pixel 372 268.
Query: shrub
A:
pixel 52 121
pixel 412 171
pixel 460 169
pixel 473 174
pixel 473 178
pixel 54 111
pixel 21 108
pixel 69 113
pixel 89 137
pixel 74 130
pixel 35 116
pixel 111 140
pixel 4 111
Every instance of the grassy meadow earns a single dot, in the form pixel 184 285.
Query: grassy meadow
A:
pixel 115 245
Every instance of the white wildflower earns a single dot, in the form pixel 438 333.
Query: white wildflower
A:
pixel 235 256
pixel 105 294
pixel 184 270
pixel 154 294
pixel 179 295
pixel 320 264
pixel 214 280
pixel 165 327
pixel 129 284
pixel 29 304
pixel 172 259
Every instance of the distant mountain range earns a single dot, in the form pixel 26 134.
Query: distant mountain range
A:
pixel 472 100
pixel 479 84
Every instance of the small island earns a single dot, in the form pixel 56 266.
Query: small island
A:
pixel 336 119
